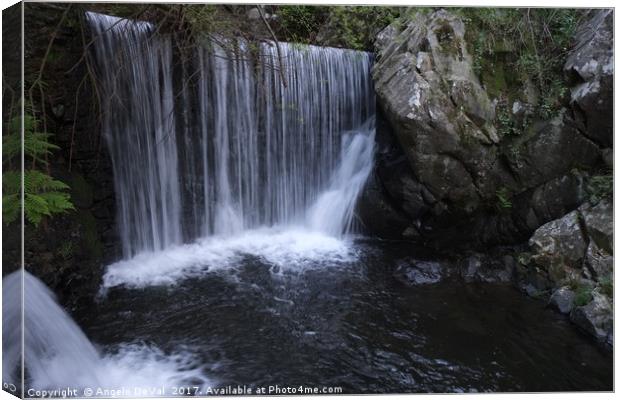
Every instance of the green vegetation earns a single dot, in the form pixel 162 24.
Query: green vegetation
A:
pixel 65 250
pixel 43 195
pixel 600 187
pixel 606 285
pixel 583 295
pixel 503 199
pixel 300 23
pixel 341 26
pixel 512 46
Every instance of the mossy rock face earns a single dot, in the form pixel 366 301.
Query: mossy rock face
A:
pixel 470 126
pixel 89 235
pixel 81 191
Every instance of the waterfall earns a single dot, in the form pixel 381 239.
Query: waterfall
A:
pixel 238 139
pixel 333 211
pixel 51 338
pixel 57 354
pixel 135 69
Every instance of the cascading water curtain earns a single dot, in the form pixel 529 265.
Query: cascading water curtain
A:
pixel 256 140
pixel 138 124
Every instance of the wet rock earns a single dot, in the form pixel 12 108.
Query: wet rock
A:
pixel 590 67
pixel 595 318
pixel 487 268
pixel 416 272
pixel 378 214
pixel 562 300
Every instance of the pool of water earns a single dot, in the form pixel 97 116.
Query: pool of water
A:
pixel 349 323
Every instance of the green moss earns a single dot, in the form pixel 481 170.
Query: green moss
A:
pixel 89 234
pixel 600 187
pixel 81 191
pixel 510 46
pixel 606 285
pixel 65 250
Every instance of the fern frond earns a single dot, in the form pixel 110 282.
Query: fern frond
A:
pixel 11 182
pixel 57 202
pixel 37 182
pixel 11 146
pixel 10 208
pixel 35 208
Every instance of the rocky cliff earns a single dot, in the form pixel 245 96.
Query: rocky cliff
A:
pixel 459 175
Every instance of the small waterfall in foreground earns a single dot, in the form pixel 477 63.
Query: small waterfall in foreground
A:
pixel 51 338
pixel 235 139
pixel 58 355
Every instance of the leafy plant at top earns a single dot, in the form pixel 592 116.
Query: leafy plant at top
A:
pixel 43 195
pixel 301 23
pixel 534 41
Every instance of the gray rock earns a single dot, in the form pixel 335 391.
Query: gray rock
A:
pixel 426 85
pixel 486 268
pixel 599 261
pixel 444 123
pixel 377 212
pixel 562 300
pixel 599 223
pixel 559 243
pixel 595 318
pixel 415 272
pixel 253 14
pixel 590 66
pixel 552 149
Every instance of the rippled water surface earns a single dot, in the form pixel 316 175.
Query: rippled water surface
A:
pixel 348 322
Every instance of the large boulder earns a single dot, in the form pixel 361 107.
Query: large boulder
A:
pixel 590 67
pixel 599 224
pixel 441 116
pixel 559 243
pixel 458 179
pixel 596 317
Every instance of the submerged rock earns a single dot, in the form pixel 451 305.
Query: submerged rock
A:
pixel 416 272
pixel 487 268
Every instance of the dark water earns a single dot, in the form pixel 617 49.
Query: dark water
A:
pixel 357 327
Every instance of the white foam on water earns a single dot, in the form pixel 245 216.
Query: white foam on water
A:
pixel 132 370
pixel 292 249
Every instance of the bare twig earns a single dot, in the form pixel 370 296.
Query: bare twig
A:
pixel 275 39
